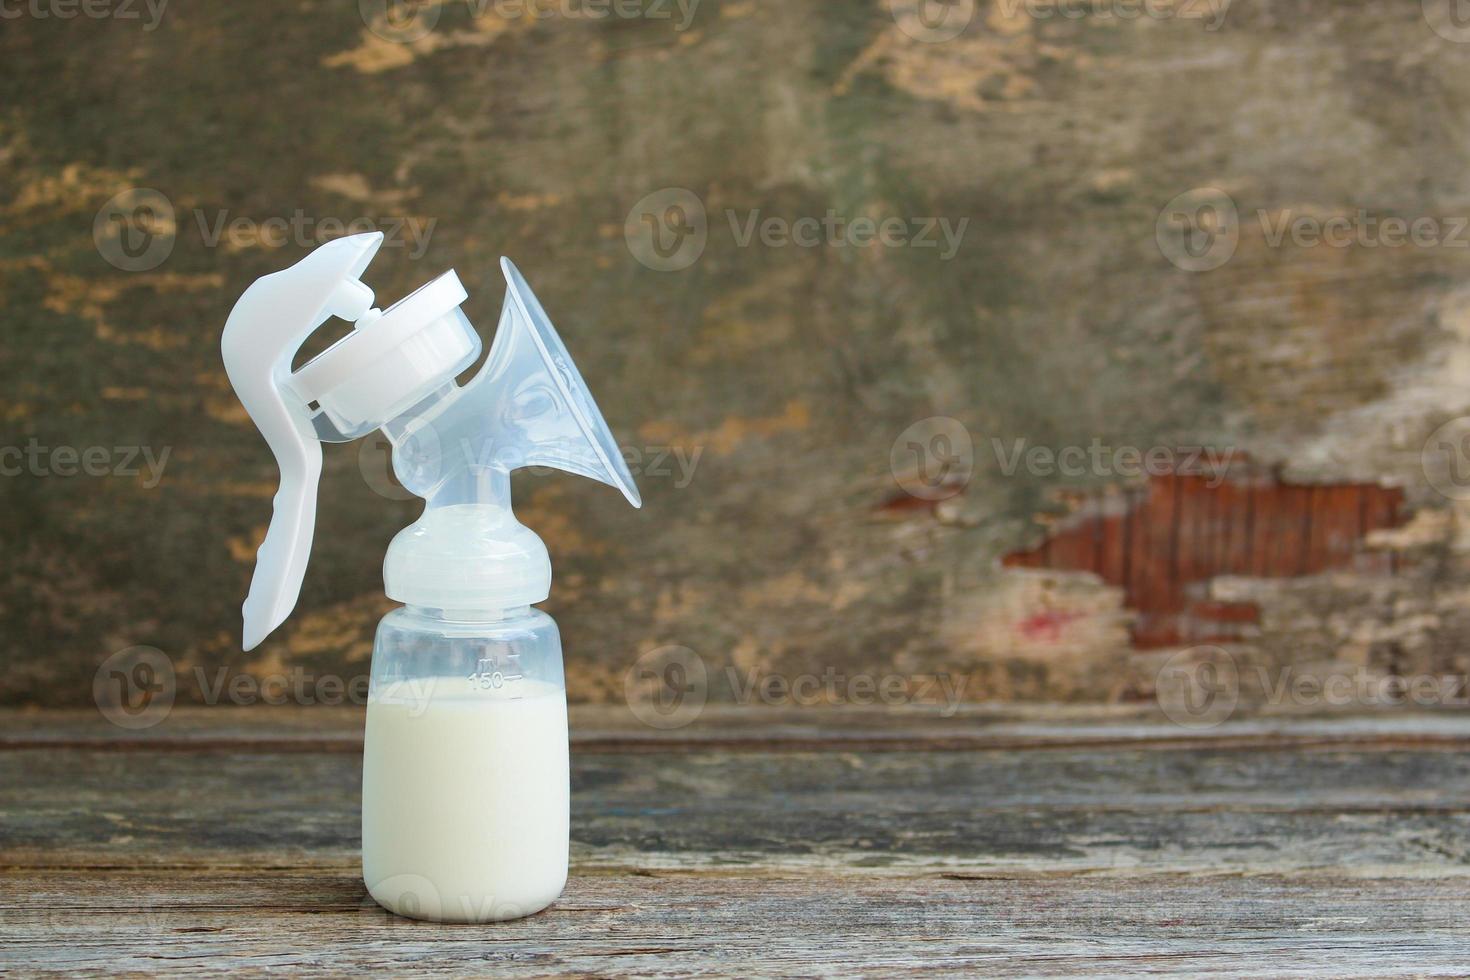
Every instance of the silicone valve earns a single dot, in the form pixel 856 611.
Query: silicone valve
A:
pixel 266 328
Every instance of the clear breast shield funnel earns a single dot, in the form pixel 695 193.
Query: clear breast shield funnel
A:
pixel 465 774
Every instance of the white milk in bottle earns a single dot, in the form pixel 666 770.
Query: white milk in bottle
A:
pixel 465 784
pixel 471 795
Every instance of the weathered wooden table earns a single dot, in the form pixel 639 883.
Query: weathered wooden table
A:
pixel 800 843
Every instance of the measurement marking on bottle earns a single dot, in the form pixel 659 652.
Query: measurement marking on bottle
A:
pixel 494 672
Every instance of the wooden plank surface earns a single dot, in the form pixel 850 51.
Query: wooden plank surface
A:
pixel 616 728
pixel 1289 847
pixel 1076 810
pixel 741 924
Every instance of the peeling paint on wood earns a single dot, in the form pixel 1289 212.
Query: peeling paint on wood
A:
pixel 1164 542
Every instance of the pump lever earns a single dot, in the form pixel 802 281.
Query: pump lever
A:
pixel 266 328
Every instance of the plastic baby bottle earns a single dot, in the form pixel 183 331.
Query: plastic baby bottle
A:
pixel 466 783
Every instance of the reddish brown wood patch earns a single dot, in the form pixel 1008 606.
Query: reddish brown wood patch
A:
pixel 1163 542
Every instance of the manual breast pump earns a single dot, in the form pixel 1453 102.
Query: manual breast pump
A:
pixel 465 775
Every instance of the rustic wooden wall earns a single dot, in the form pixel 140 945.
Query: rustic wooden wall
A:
pixel 1068 315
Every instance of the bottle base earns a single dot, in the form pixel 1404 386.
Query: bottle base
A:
pixel 414 897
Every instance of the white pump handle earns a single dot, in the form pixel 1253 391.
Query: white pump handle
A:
pixel 265 330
